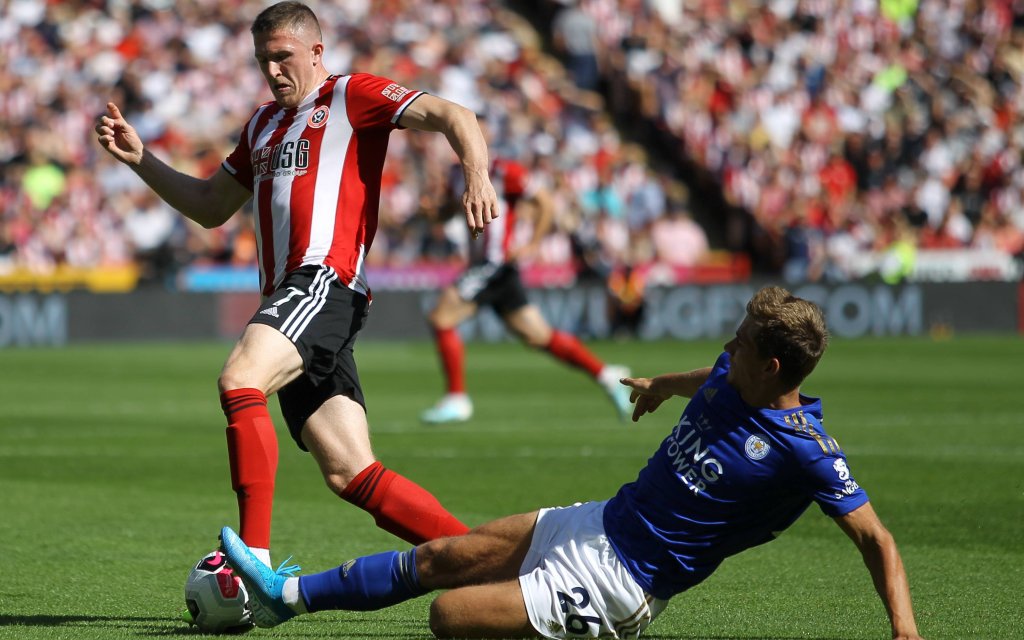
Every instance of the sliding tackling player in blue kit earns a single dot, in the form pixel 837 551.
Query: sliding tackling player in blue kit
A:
pixel 744 461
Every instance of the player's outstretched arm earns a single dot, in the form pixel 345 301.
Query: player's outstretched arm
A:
pixel 209 202
pixel 647 394
pixel 459 125
pixel 883 561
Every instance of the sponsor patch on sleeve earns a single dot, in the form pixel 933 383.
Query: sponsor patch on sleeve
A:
pixel 395 92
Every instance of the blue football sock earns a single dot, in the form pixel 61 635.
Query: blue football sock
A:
pixel 364 584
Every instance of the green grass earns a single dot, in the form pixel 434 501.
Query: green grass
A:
pixel 113 480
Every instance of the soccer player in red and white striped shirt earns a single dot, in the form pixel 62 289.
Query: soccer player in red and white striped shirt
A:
pixel 492 279
pixel 311 161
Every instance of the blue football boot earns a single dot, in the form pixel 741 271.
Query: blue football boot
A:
pixel 264 585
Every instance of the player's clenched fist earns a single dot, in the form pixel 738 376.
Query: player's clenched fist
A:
pixel 118 137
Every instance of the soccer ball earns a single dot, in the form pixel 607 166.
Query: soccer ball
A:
pixel 216 598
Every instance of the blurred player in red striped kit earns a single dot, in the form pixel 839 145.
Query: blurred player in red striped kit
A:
pixel 492 279
pixel 311 162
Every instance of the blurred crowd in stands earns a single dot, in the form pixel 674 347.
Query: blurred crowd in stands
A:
pixel 830 127
pixel 821 128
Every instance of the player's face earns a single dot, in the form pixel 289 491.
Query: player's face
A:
pixel 290 62
pixel 746 363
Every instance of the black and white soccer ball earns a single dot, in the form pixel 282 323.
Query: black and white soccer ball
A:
pixel 216 598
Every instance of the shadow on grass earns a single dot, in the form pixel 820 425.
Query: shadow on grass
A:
pixel 140 625
pixel 160 626
pixel 689 637
pixel 157 626
pixel 57 621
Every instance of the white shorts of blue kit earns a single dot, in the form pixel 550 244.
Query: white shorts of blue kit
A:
pixel 573 583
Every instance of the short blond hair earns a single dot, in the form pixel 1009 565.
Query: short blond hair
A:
pixel 790 329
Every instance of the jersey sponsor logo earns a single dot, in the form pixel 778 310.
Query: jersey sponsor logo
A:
pixel 690 459
pixel 850 485
pixel 319 117
pixel 849 488
pixel 756 448
pixel 394 92
pixel 290 158
pixel 842 470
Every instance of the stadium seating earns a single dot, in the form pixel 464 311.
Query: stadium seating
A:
pixel 824 131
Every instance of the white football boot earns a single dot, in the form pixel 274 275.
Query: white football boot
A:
pixel 608 378
pixel 453 407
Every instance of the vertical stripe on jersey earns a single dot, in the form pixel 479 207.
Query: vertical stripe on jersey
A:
pixel 256 124
pixel 510 228
pixel 498 237
pixel 288 132
pixel 265 194
pixel 327 154
pixel 355 216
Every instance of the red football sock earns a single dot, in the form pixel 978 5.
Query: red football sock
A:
pixel 449 347
pixel 567 348
pixel 252 451
pixel 400 506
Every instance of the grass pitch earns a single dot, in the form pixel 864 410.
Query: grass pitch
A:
pixel 114 480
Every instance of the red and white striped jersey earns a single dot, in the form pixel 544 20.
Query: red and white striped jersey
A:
pixel 315 173
pixel 510 179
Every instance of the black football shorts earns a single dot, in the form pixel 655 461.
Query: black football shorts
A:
pixel 496 286
pixel 322 318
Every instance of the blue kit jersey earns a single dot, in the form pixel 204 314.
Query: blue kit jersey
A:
pixel 728 477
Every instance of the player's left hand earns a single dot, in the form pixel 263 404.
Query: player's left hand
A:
pixel 480 203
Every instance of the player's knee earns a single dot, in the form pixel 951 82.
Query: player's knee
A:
pixel 533 337
pixel 443 623
pixel 430 559
pixel 242 376
pixel 535 341
pixel 447 313
pixel 441 319
pixel 434 319
pixel 229 380
pixel 337 483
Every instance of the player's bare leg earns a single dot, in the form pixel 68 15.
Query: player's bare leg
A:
pixel 491 555
pixel 261 362
pixel 448 313
pixel 492 552
pixel 529 325
pixel 263 358
pixel 483 611
pixel 338 436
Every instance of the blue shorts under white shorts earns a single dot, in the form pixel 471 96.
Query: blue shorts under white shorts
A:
pixel 573 583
